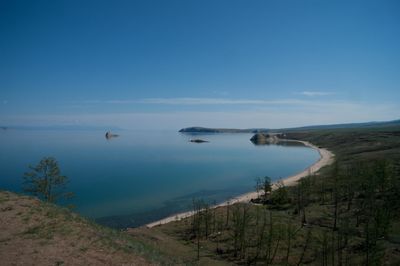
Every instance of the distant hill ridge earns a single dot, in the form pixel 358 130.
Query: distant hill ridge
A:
pixel 315 127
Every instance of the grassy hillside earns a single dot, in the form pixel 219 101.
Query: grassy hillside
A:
pixel 36 233
pixel 356 144
pixel 353 126
pixel 347 214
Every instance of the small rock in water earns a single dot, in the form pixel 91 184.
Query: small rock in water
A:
pixel 198 140
pixel 109 135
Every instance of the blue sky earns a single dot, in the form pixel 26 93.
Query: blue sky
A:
pixel 171 64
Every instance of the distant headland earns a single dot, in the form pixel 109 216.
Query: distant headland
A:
pixel 221 130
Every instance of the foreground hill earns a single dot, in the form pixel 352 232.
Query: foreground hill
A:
pixel 36 233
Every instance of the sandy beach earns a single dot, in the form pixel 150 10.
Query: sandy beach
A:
pixel 326 158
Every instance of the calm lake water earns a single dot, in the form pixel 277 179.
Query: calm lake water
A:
pixel 143 176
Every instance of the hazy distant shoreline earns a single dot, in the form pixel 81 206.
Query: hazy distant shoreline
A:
pixel 372 124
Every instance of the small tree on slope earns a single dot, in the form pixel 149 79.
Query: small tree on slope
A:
pixel 45 181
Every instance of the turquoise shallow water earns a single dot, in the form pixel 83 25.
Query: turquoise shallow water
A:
pixel 145 175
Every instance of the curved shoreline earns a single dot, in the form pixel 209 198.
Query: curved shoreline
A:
pixel 326 158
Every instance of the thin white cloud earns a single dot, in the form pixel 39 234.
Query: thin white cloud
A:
pixel 265 116
pixel 215 101
pixel 316 93
pixel 201 101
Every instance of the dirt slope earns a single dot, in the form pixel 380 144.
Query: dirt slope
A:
pixel 36 233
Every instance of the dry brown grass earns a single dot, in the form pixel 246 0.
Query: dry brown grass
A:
pixel 36 233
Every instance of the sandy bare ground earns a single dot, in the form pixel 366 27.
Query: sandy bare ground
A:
pixel 326 158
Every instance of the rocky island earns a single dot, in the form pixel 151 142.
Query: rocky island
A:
pixel 198 141
pixel 110 135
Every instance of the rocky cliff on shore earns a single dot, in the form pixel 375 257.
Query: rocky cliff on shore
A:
pixel 266 138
